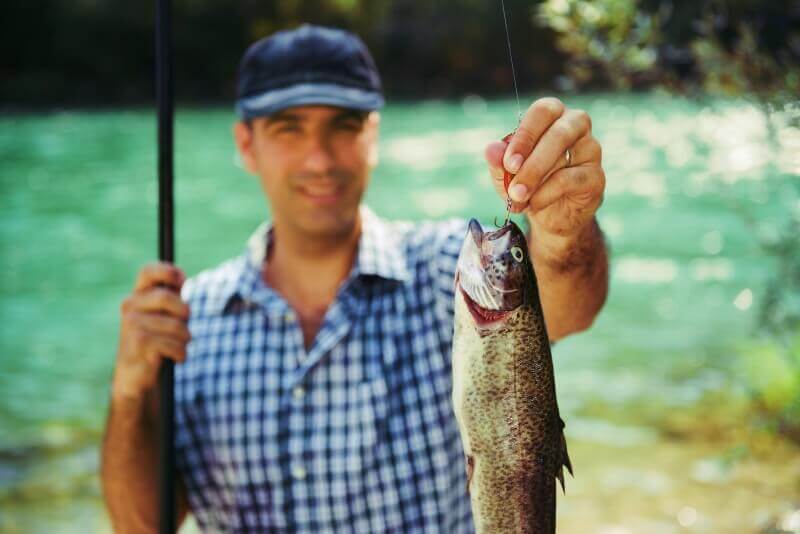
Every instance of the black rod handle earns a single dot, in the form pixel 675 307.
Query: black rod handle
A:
pixel 166 378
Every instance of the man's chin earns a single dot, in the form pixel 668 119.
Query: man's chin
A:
pixel 328 221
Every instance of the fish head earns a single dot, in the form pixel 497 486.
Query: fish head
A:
pixel 494 274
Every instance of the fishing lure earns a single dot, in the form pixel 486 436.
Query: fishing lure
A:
pixel 507 177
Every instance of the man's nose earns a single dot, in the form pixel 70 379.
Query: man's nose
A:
pixel 319 156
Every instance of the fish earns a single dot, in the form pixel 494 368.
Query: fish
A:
pixel 504 395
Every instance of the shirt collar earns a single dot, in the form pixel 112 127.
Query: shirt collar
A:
pixel 380 253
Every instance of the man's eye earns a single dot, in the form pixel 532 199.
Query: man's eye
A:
pixel 349 126
pixel 288 128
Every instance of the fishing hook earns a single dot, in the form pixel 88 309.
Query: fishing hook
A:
pixel 508 214
pixel 507 177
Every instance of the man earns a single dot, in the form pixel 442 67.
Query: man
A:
pixel 314 395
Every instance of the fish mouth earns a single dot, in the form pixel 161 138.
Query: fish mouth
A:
pixel 483 316
pixel 485 301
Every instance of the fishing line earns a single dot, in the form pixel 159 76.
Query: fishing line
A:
pixel 507 176
pixel 511 58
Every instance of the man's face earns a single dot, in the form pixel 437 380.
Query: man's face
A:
pixel 314 164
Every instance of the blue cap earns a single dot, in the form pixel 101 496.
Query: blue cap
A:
pixel 304 66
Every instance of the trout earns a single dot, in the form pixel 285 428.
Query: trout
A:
pixel 504 393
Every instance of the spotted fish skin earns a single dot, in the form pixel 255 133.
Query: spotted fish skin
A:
pixel 503 387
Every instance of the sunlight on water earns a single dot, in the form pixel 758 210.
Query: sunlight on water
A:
pixel 612 225
pixel 435 149
pixel 789 161
pixel 435 202
pixel 711 269
pixel 645 270
pixel 680 152
pixel 648 185
pixel 610 434
pixel 737 140
pixel 712 242
pixel 743 300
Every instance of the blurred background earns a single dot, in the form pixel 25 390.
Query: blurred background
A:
pixel 682 402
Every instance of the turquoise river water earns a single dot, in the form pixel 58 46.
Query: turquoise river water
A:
pixel 652 394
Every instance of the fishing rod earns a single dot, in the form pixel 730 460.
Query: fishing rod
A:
pixel 166 377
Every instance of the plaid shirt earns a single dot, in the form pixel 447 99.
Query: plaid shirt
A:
pixel 356 434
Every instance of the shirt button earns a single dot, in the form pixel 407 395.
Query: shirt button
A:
pixel 290 316
pixel 298 392
pixel 298 472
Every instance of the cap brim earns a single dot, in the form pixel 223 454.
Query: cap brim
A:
pixel 326 94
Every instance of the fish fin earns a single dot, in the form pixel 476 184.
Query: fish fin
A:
pixel 470 469
pixel 565 455
pixel 560 477
pixel 565 461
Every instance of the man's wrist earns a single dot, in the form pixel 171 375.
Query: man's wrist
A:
pixel 128 396
pixel 565 253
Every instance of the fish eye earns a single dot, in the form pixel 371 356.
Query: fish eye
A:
pixel 517 253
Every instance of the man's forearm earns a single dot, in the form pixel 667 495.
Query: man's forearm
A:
pixel 573 279
pixel 129 461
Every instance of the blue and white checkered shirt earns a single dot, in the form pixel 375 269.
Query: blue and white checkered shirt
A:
pixel 357 434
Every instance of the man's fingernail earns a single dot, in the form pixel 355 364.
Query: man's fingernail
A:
pixel 518 193
pixel 513 163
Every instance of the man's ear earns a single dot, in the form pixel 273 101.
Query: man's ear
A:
pixel 243 137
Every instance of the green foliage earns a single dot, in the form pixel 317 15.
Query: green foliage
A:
pixel 772 369
pixel 744 68
pixel 725 48
pixel 100 51
pixel 779 314
pixel 608 41
pixel 772 375
pixel 772 372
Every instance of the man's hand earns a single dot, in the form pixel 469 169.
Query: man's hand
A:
pixel 559 201
pixel 153 327
pixel 566 245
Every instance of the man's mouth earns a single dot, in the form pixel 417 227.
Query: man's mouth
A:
pixel 322 193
